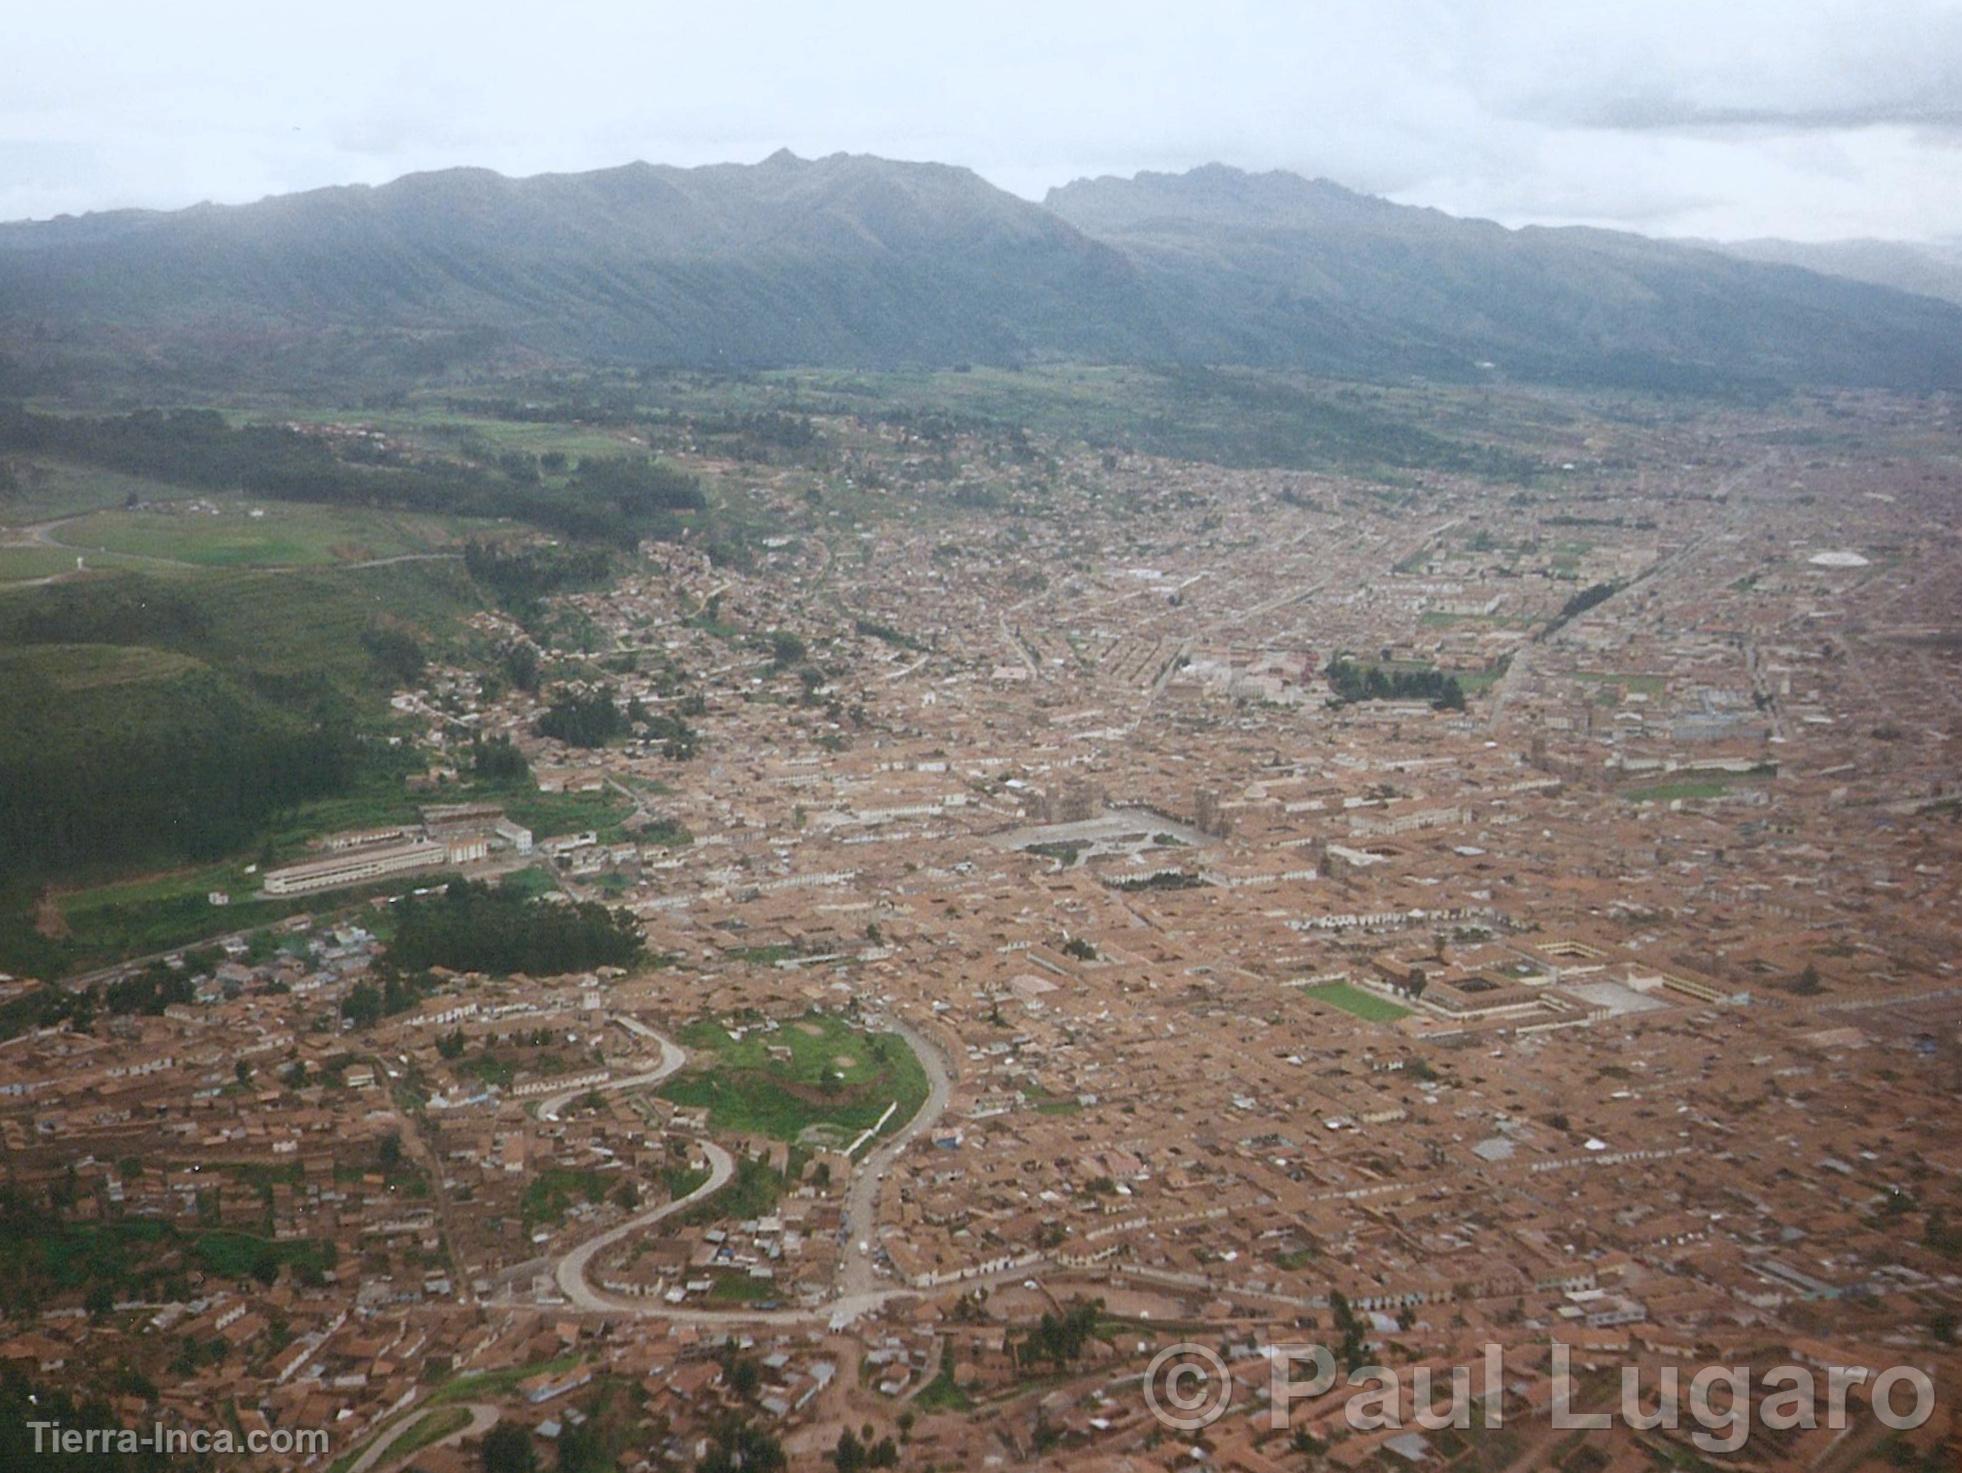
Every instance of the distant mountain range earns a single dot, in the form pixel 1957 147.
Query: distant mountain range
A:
pixel 860 261
pixel 1933 269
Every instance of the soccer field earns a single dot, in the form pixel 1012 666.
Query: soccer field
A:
pixel 1365 1005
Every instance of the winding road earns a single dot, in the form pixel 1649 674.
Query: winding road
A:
pixel 858 1287
pixel 570 1269
pixel 673 1056
pixel 482 1419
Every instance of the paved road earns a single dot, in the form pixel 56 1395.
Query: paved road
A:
pixel 570 1270
pixel 862 1195
pixel 672 1058
pixel 858 1288
pixel 482 1419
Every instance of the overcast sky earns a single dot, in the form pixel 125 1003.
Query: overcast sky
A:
pixel 1811 119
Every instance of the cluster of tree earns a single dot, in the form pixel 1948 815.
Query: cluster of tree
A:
pixel 878 629
pixel 1355 1351
pixel 1164 879
pixel 738 1445
pixel 786 648
pixel 855 1452
pixel 522 575
pixel 396 651
pixel 1942 1235
pixel 368 1004
pixel 584 716
pixel 132 608
pixel 24 1402
pixel 518 662
pixel 474 927
pixel 192 766
pixel 642 489
pixel 1353 682
pixel 499 761
pixel 1057 1339
pixel 679 741
pixel 767 436
pixel 48 1006
pixel 507 1448
pixel 1580 603
pixel 636 497
pixel 149 991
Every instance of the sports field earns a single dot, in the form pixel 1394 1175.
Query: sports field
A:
pixel 1365 1005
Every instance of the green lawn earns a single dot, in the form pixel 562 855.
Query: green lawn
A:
pixel 1350 999
pixel 491 1385
pixel 740 1288
pixel 1648 685
pixel 79 667
pixel 746 1089
pixel 50 489
pixel 551 1193
pixel 131 1256
pixel 1670 792
pixel 247 533
pixel 442 428
pixel 24 563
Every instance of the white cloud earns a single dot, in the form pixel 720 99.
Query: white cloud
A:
pixel 1795 117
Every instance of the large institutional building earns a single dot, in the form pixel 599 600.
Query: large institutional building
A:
pixel 450 835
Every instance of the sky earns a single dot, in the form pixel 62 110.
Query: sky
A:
pixel 1729 119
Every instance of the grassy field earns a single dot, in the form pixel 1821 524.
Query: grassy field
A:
pixel 1670 792
pixel 550 1193
pixel 144 914
pixel 22 564
pixel 491 1385
pixel 747 1085
pixel 49 489
pixel 127 1255
pixel 740 1288
pixel 301 622
pixel 383 800
pixel 80 667
pixel 1353 1000
pixel 1647 685
pixel 440 428
pixel 243 533
pixel 165 911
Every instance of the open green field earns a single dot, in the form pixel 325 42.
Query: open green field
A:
pixel 47 489
pixel 740 1288
pixel 1648 685
pixel 1670 792
pixel 490 1385
pixel 243 533
pixel 161 912
pixel 23 563
pixel 836 1082
pixel 303 621
pixel 1236 417
pixel 441 428
pixel 79 667
pixel 551 1193
pixel 169 908
pixel 1353 1000
pixel 383 800
pixel 131 1257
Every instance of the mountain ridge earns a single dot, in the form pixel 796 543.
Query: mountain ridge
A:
pixel 853 260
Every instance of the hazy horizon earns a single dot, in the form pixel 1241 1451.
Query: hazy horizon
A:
pixel 1816 121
